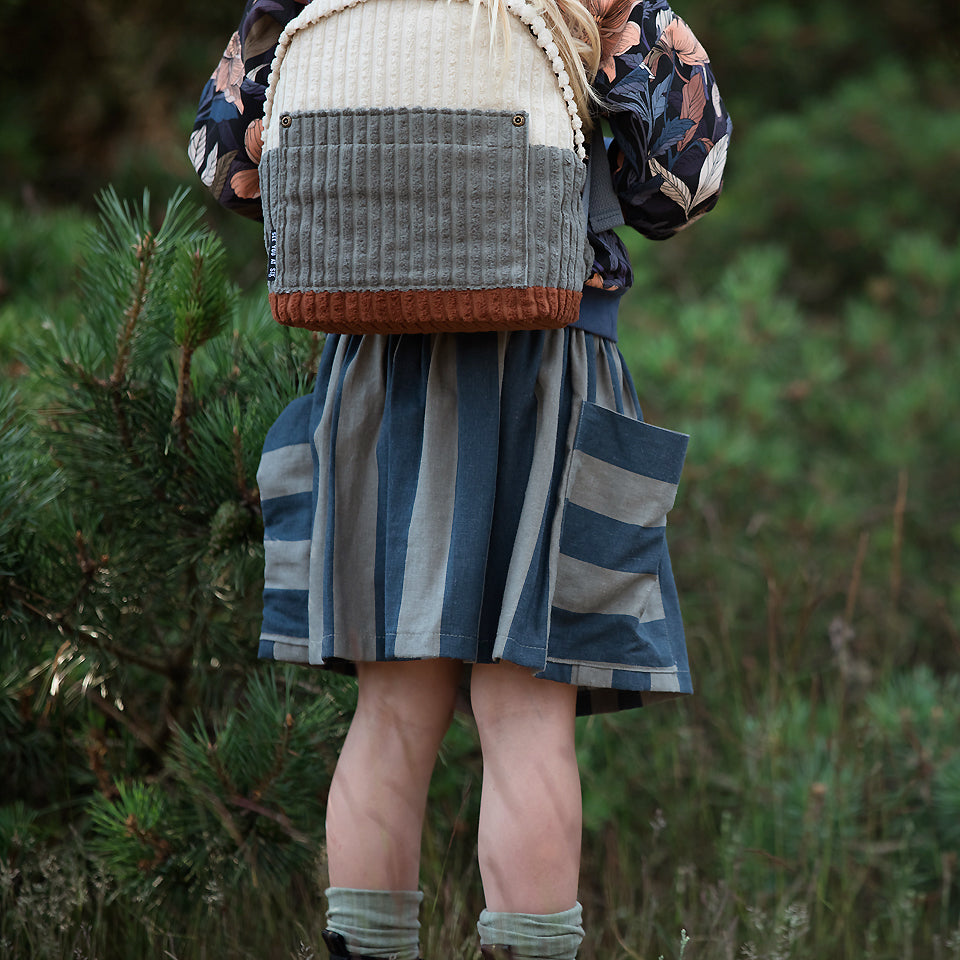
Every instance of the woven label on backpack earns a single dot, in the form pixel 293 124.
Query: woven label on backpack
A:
pixel 416 180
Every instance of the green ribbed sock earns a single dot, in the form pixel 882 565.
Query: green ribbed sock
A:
pixel 550 936
pixel 376 923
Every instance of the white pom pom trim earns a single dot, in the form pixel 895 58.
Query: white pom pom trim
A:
pixel 525 12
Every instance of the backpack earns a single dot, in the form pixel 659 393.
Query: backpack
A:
pixel 417 177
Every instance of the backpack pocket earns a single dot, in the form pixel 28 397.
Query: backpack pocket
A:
pixel 399 200
pixel 612 565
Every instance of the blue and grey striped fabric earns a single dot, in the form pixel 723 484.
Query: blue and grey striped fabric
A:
pixel 480 497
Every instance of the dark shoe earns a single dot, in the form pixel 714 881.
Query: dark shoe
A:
pixel 338 948
pixel 496 952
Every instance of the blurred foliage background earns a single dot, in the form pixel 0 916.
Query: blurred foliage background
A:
pixel 163 793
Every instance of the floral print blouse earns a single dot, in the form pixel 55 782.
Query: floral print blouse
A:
pixel 660 99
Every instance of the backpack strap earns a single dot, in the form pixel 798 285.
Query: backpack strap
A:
pixel 599 197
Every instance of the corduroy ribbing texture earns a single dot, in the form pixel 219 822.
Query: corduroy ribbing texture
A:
pixel 376 923
pixel 553 936
pixel 418 53
pixel 426 311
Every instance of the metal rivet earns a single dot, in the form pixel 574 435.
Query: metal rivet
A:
pixel 286 120
pixel 519 119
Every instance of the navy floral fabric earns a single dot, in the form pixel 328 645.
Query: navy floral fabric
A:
pixel 658 93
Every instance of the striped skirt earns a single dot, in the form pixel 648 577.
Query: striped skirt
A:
pixel 483 497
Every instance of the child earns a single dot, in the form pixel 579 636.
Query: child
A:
pixel 484 509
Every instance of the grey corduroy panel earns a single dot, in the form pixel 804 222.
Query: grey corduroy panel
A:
pixel 420 199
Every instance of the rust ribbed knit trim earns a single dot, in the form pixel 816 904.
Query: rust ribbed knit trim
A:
pixel 427 311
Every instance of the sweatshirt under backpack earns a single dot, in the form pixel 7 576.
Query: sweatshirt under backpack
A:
pixel 416 180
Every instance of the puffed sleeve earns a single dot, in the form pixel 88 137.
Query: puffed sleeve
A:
pixel 227 136
pixel 670 127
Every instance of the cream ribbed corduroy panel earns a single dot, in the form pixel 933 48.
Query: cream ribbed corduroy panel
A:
pixel 407 53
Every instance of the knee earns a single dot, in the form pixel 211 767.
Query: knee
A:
pixel 404 721
pixel 407 701
pixel 510 704
pixel 497 693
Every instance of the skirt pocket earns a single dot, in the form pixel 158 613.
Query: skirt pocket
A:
pixel 613 602
pixel 285 480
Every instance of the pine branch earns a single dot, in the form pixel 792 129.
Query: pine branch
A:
pixel 145 250
pixel 101 640
pixel 250 497
pixel 281 819
pixel 123 718
pixel 226 819
pixel 146 247
pixel 89 569
pixel 163 668
pixel 202 300
pixel 184 395
pixel 278 757
pixel 176 703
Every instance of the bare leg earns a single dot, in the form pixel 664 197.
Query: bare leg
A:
pixel 530 809
pixel 379 790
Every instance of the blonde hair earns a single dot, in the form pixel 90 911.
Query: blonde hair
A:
pixel 577 37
